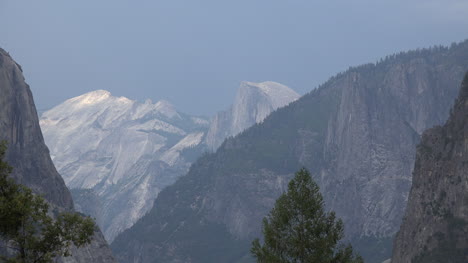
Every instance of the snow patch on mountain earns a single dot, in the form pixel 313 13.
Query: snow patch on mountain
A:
pixel 124 150
pixel 172 155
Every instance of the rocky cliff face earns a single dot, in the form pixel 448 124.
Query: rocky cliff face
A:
pixel 435 227
pixel 253 103
pixel 28 154
pixel 122 151
pixel 356 134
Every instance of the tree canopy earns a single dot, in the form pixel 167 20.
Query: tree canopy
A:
pixel 29 229
pixel 298 229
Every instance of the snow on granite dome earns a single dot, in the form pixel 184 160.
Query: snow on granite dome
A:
pixel 167 109
pixel 127 151
pixel 91 97
pixel 114 144
pixel 88 123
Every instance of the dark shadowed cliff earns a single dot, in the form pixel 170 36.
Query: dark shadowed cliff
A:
pixel 435 228
pixel 29 156
pixel 357 135
pixel 19 125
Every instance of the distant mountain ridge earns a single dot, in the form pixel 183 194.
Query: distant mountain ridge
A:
pixel 29 156
pixel 125 151
pixel 82 124
pixel 356 134
pixel 116 154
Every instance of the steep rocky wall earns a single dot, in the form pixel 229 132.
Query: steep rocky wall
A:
pixel 29 156
pixel 357 135
pixel 123 150
pixel 435 227
pixel 252 104
pixel 19 126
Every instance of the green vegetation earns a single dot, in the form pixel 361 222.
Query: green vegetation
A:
pixel 28 230
pixel 299 230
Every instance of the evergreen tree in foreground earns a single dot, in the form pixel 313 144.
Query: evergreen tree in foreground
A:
pixel 28 230
pixel 298 229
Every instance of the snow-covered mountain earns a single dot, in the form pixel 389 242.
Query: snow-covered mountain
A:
pixel 117 154
pixel 125 151
pixel 253 103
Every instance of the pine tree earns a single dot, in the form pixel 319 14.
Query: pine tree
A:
pixel 298 229
pixel 26 227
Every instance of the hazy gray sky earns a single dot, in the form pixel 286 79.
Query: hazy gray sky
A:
pixel 194 53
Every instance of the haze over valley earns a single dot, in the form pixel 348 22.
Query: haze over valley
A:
pixel 250 131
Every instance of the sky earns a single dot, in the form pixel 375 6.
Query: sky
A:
pixel 195 53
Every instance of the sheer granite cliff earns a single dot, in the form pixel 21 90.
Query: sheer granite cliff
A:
pixel 29 156
pixel 19 125
pixel 435 227
pixel 116 154
pixel 357 134
pixel 252 104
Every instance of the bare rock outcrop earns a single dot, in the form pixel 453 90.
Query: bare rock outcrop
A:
pixel 29 156
pixel 435 227
pixel 252 104
pixel 357 134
